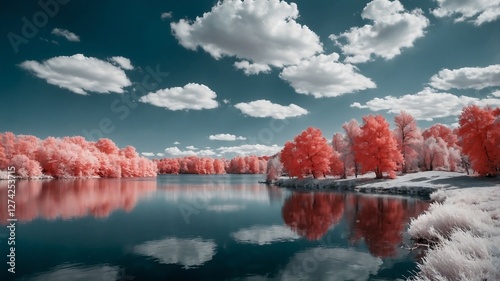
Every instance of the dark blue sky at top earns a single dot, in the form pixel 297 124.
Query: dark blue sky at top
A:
pixel 134 29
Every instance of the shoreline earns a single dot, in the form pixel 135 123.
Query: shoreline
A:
pixel 462 223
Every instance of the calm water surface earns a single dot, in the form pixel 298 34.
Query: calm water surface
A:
pixel 191 227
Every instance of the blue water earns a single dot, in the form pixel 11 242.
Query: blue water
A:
pixel 194 227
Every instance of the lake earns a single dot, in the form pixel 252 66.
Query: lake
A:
pixel 196 227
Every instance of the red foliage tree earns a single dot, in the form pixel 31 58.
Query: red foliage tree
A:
pixel 309 153
pixel 312 214
pixel 480 131
pixel 408 137
pixel 376 148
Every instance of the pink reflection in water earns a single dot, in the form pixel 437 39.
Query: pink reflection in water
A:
pixel 68 199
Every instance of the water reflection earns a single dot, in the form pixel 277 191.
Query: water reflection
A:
pixel 227 192
pixel 186 252
pixel 377 220
pixel 331 264
pixel 69 199
pixel 80 272
pixel 380 221
pixel 263 235
pixel 312 214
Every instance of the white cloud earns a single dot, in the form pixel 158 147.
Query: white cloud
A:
pixel 476 11
pixel 265 108
pixel 263 235
pixel 250 149
pixel 160 154
pixel 252 68
pixel 166 15
pixel 190 147
pixel 70 36
pixel 176 152
pixel 467 78
pixel 226 137
pixel 66 272
pixel 79 74
pixel 187 252
pixel 148 154
pixel 226 101
pixel 225 208
pixel 176 142
pixel 323 76
pixel 426 104
pixel 191 96
pixel 332 264
pixel 393 29
pixel 261 31
pixel 496 94
pixel 122 62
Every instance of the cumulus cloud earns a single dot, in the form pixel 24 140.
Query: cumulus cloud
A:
pixel 79 272
pixel 190 147
pixel 70 36
pixel 426 104
pixel 265 108
pixel 80 74
pixel 475 11
pixel 467 78
pixel 191 96
pixel 393 29
pixel 226 137
pixel 496 94
pixel 122 62
pixel 166 15
pixel 186 252
pixel 264 32
pixel 332 264
pixel 252 68
pixel 250 149
pixel 324 76
pixel 176 142
pixel 148 154
pixel 176 152
pixel 160 154
pixel 263 235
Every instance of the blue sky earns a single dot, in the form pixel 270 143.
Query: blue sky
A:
pixel 211 78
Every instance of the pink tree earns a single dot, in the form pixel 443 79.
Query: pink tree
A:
pixel 25 167
pixel 435 153
pixel 341 146
pixel 352 131
pixel 408 136
pixel 480 131
pixel 274 168
pixel 375 148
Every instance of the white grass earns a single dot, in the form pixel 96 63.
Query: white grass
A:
pixel 442 219
pixel 467 227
